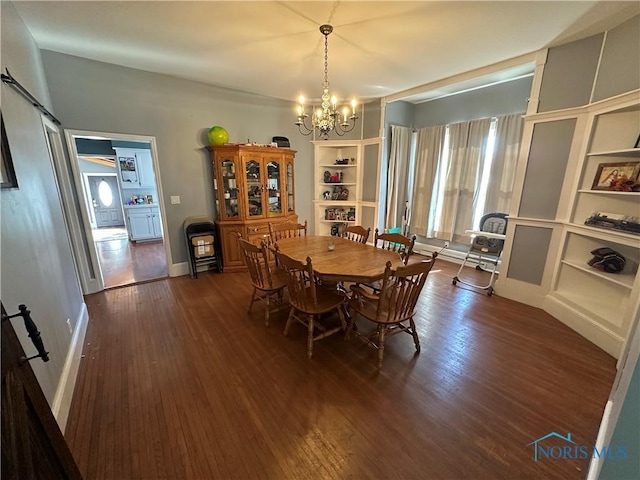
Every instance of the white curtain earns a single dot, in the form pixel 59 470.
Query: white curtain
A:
pixel 467 145
pixel 397 174
pixel 503 166
pixel 429 145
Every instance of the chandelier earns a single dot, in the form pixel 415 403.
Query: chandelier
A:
pixel 327 118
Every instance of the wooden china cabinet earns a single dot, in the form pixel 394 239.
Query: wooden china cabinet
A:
pixel 252 186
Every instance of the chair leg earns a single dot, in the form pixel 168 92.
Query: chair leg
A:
pixel 381 337
pixel 341 314
pixel 310 337
pixel 350 327
pixel 416 340
pixel 289 321
pixel 253 299
pixel 267 308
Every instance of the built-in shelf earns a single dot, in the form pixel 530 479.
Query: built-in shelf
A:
pixel 335 202
pixel 622 279
pixel 622 237
pixel 354 177
pixel 609 192
pixel 347 165
pixel 629 152
pixel 593 308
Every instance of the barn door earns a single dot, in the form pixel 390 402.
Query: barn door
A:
pixel 32 444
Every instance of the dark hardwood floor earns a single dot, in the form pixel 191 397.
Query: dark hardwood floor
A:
pixel 179 382
pixel 124 262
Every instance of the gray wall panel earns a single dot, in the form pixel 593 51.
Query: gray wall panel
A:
pixel 371 120
pixel 569 74
pixel 546 168
pixel 369 174
pixel 529 253
pixel 620 65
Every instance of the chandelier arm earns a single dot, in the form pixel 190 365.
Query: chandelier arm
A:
pixel 302 122
pixel 307 133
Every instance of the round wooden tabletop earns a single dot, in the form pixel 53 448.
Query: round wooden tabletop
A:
pixel 348 262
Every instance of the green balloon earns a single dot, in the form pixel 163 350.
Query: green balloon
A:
pixel 218 136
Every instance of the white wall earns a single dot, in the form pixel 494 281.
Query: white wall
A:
pixel 37 262
pixel 90 95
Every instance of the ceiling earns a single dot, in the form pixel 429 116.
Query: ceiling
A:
pixel 275 49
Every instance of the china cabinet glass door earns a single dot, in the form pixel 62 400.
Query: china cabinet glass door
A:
pixel 255 200
pixel 229 188
pixel 289 185
pixel 274 187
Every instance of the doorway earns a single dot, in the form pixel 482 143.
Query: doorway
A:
pixel 108 207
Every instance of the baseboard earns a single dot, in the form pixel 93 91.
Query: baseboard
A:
pixel 520 291
pixel 597 334
pixel 449 255
pixel 64 393
pixel 178 269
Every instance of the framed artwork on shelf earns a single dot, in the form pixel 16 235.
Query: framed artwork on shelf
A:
pixel 7 173
pixel 620 177
pixel 637 145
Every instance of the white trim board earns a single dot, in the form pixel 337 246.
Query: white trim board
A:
pixel 61 404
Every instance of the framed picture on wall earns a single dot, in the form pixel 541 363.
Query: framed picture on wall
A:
pixel 621 176
pixel 7 173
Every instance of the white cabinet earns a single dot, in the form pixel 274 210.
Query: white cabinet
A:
pixel 135 167
pixel 144 223
pixel 145 169
pixel 339 172
pixel 598 304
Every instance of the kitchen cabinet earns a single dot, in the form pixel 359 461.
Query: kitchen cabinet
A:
pixel 135 167
pixel 252 187
pixel 144 223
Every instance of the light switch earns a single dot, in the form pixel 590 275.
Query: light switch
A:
pixel 175 199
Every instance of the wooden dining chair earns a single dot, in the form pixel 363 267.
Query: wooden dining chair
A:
pixel 278 231
pixel 309 300
pixel 268 282
pixel 395 242
pixel 356 233
pixel 393 309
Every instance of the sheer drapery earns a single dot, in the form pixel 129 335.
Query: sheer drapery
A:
pixel 397 174
pixel 467 145
pixel 503 163
pixel 429 146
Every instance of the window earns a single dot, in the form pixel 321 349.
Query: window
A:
pixel 473 165
pixel 105 193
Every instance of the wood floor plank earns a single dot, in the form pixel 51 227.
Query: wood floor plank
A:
pixel 178 381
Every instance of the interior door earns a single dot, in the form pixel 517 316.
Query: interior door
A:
pixel 105 198
pixel 32 444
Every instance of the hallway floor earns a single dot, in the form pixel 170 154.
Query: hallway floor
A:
pixel 124 262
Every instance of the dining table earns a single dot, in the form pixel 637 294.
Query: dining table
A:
pixel 347 261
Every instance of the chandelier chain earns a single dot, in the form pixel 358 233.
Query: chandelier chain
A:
pixel 326 61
